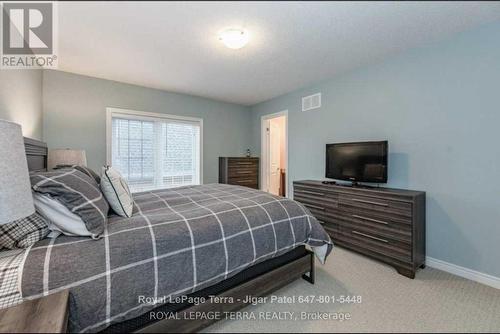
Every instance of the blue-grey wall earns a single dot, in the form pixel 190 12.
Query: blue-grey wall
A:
pixel 21 100
pixel 74 116
pixel 439 107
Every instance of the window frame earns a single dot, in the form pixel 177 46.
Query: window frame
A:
pixel 145 115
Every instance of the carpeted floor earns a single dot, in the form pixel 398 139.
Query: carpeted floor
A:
pixel 434 301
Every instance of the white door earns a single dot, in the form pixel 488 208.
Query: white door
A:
pixel 274 157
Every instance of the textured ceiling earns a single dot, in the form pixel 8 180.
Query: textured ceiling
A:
pixel 173 46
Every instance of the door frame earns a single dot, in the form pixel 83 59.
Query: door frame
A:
pixel 264 143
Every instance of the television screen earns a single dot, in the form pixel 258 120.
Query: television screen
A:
pixel 357 162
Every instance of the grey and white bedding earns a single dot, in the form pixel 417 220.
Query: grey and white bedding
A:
pixel 10 261
pixel 176 242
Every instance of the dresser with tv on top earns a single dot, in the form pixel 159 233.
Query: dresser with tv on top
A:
pixel 385 224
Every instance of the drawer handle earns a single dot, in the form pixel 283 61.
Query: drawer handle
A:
pixel 370 236
pixel 315 207
pixel 371 220
pixel 244 172
pixel 369 202
pixel 309 192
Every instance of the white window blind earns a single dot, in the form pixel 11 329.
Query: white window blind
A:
pixel 155 152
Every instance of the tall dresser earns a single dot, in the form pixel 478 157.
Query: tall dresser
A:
pixel 386 224
pixel 239 171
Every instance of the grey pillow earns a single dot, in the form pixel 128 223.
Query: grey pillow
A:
pixel 78 192
pixel 24 232
pixel 83 169
pixel 89 172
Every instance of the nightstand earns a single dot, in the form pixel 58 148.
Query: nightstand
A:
pixel 43 315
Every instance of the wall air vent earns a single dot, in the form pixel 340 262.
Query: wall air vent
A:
pixel 311 102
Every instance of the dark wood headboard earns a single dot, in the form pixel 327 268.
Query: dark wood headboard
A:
pixel 36 153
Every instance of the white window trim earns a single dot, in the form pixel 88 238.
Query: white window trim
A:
pixel 128 113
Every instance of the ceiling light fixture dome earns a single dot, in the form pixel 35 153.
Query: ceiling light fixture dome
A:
pixel 234 38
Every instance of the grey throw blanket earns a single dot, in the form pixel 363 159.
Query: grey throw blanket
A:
pixel 178 241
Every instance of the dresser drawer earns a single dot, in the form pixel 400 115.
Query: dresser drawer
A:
pixel 244 168
pixel 331 228
pixel 242 181
pixel 376 206
pixel 392 231
pixel 238 163
pixel 377 243
pixel 326 206
pixel 374 219
pixel 236 173
pixel 395 261
pixel 323 204
pixel 316 193
pixel 243 177
pixel 383 231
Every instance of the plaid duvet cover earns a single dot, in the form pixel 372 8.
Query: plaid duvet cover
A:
pixel 10 260
pixel 178 241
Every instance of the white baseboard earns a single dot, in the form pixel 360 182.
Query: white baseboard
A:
pixel 464 272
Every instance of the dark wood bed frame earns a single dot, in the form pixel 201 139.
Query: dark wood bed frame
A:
pixel 36 154
pixel 262 285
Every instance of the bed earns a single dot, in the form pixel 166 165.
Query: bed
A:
pixel 196 241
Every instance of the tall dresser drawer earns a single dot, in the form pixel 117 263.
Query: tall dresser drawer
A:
pixel 236 172
pixel 241 180
pixel 242 162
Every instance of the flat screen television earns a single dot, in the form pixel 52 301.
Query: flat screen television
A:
pixel 357 162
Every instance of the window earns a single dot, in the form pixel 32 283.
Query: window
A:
pixel 154 151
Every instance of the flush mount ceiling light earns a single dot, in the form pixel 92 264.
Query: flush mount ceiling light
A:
pixel 234 38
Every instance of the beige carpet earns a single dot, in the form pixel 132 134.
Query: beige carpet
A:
pixel 434 301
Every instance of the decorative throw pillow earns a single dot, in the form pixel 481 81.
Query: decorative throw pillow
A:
pixel 24 232
pixel 89 172
pixel 117 192
pixel 76 191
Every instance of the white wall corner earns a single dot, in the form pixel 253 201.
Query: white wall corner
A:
pixel 473 275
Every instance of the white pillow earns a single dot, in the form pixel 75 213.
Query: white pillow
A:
pixel 59 218
pixel 115 189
